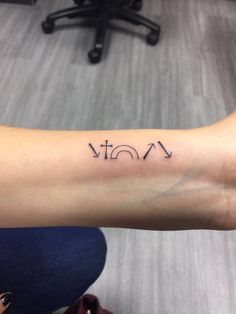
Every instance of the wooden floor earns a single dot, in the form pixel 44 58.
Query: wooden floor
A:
pixel 187 80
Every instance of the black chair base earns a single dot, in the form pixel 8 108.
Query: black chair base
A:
pixel 103 11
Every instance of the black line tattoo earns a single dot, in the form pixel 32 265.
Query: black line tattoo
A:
pixel 122 151
pixel 93 149
pixel 168 154
pixel 118 149
pixel 106 147
pixel 152 145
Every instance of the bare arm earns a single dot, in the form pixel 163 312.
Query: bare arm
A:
pixel 147 178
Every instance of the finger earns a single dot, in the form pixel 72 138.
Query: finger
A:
pixel 5 301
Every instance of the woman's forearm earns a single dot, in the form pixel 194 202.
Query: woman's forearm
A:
pixel 147 179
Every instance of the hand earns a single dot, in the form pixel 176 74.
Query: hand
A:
pixel 5 301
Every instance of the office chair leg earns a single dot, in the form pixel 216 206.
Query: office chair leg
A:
pixel 95 54
pixel 49 23
pixel 72 12
pixel 134 18
pixel 103 11
pixel 79 2
pixel 82 3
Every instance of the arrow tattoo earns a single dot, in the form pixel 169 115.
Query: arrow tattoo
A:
pixel 152 145
pixel 96 154
pixel 168 154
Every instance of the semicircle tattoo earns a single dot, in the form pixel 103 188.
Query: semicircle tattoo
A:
pixel 124 148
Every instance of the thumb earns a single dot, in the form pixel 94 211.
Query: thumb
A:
pixel 5 301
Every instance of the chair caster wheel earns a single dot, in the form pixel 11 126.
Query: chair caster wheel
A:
pixel 153 38
pixel 48 26
pixel 136 5
pixel 95 55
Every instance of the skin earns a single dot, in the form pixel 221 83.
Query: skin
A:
pixel 51 178
pixel 2 307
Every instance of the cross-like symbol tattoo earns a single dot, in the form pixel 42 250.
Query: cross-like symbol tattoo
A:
pixel 106 147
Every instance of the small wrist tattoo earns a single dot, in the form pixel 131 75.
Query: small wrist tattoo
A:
pixel 108 151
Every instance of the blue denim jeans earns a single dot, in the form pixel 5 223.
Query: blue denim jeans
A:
pixel 49 267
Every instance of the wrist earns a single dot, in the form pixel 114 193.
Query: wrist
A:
pixel 221 135
pixel 161 193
